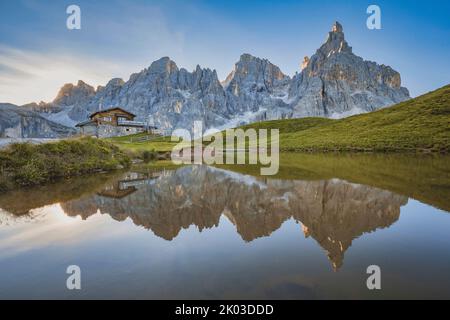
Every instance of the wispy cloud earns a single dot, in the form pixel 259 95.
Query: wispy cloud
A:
pixel 105 48
pixel 27 76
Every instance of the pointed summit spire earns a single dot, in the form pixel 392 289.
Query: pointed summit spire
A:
pixel 336 33
pixel 337 27
pixel 336 41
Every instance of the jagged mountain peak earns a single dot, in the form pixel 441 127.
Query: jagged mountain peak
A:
pixel 337 27
pixel 247 57
pixel 70 86
pixel 116 82
pixel 163 65
pixel 247 62
pixel 335 82
pixel 253 74
pixel 335 42
pixel 112 87
pixel 81 83
pixel 71 94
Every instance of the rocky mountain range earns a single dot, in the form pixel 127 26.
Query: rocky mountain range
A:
pixel 333 82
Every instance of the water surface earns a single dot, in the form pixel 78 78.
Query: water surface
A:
pixel 224 232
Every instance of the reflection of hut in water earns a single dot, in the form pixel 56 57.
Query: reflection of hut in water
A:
pixel 116 191
pixel 127 185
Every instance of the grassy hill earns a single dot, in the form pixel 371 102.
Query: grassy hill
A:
pixel 134 143
pixel 420 124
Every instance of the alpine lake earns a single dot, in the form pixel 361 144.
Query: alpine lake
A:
pixel 225 232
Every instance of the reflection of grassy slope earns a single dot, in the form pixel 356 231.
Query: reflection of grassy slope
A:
pixel 22 200
pixel 425 178
pixel 159 165
pixel 418 124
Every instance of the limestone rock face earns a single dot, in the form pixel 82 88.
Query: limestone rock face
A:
pixel 20 122
pixel 252 74
pixel 172 97
pixel 333 82
pixel 305 62
pixel 68 106
pixel 70 94
pixel 108 94
pixel 258 87
pixel 175 98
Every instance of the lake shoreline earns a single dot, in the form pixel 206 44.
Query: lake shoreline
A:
pixel 140 161
pixel 428 182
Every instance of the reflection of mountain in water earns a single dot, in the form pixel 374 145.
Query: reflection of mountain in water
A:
pixel 333 212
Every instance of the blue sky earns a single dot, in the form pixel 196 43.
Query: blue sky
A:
pixel 38 54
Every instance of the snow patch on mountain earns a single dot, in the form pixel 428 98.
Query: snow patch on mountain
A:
pixel 61 117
